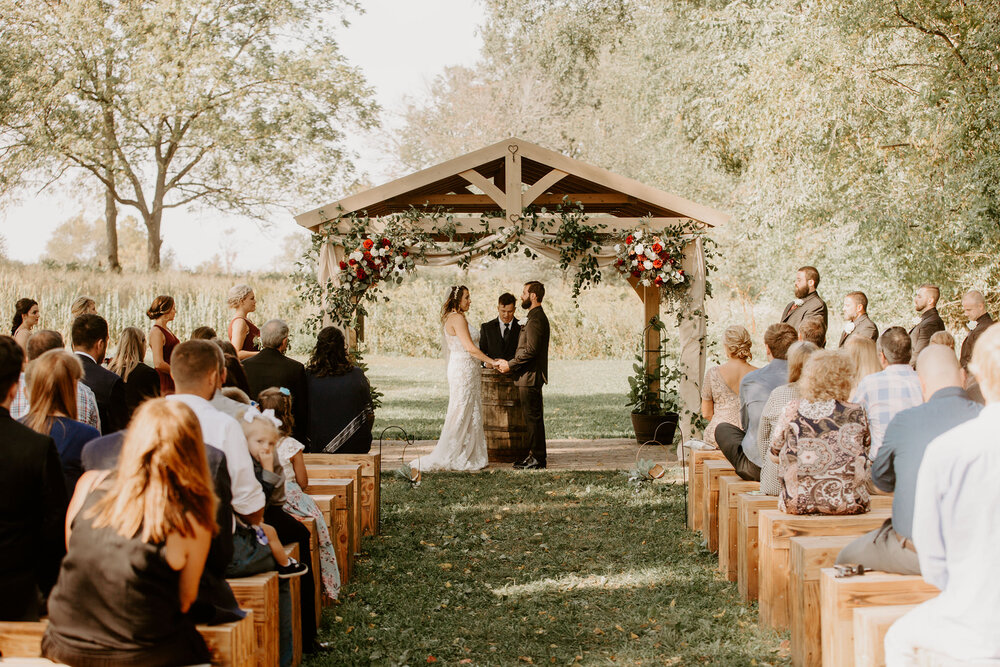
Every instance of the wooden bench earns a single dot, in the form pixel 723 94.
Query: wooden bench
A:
pixel 310 524
pixel 712 471
pixel 295 593
pixel 336 502
pixel 809 555
pixel 748 506
pixel 231 644
pixel 775 528
pixel 840 597
pixel 870 626
pixel 729 489
pixel 696 460
pixel 259 593
pixel 371 476
pixel 324 475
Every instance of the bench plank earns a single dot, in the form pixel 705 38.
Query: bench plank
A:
pixel 748 506
pixel 870 626
pixel 371 477
pixel 696 460
pixel 712 471
pixel 729 489
pixel 259 594
pixel 808 556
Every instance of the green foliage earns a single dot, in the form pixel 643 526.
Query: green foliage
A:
pixel 655 391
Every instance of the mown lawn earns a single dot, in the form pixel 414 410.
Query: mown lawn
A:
pixel 507 568
pixel 584 399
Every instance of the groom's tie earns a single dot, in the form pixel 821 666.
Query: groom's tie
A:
pixel 506 330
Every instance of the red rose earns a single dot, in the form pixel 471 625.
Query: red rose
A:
pixel 361 273
pixel 681 272
pixel 351 262
pixel 343 266
pixel 629 239
pixel 406 254
pixel 657 248
pixel 620 262
pixel 657 263
pixel 636 274
pixel 368 243
pixel 385 243
pixel 659 280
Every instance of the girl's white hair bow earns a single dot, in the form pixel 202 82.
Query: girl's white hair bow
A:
pixel 268 414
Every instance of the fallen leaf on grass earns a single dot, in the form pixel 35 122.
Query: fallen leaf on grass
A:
pixel 445 566
pixel 431 658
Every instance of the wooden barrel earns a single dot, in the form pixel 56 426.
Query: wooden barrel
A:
pixel 503 419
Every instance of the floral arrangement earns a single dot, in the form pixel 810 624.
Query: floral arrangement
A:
pixel 374 260
pixel 651 259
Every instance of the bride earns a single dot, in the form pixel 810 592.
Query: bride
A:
pixel 462 445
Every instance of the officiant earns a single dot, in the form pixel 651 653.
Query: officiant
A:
pixel 498 337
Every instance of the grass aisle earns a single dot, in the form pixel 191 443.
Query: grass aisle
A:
pixel 506 568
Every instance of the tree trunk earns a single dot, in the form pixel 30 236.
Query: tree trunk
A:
pixel 153 240
pixel 111 225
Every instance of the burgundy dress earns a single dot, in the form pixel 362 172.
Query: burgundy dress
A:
pixel 253 334
pixel 170 341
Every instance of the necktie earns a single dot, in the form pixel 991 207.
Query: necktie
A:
pixel 506 330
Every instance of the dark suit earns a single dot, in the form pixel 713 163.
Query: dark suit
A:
pixel 982 324
pixel 496 346
pixel 32 519
pixel 530 367
pixel 920 335
pixel 109 390
pixel 215 603
pixel 270 368
pixel 812 306
pixel 863 328
pixel 142 383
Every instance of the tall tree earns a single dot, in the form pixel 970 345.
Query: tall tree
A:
pixel 234 104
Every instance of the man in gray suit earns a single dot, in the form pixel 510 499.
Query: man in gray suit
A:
pixel 530 367
pixel 856 320
pixel 925 301
pixel 807 301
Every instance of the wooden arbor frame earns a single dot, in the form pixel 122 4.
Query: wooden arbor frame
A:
pixel 513 174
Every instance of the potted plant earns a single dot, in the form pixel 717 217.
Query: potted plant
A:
pixel 654 397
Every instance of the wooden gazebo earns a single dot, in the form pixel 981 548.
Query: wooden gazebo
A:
pixel 514 174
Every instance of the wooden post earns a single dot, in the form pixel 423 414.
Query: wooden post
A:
pixel 512 183
pixel 651 308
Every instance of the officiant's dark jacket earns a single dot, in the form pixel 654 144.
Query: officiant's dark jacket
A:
pixel 982 324
pixel 530 364
pixel 920 335
pixel 271 368
pixel 812 306
pixel 493 345
pixel 863 328
pixel 109 390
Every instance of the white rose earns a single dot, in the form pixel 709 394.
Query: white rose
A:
pixel 381 252
pixel 399 259
pixel 356 255
pixel 650 253
pixel 640 249
pixel 618 248
pixel 376 261
pixel 635 262
pixel 638 234
pixel 645 282
pixel 647 265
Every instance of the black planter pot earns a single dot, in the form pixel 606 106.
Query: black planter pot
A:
pixel 658 427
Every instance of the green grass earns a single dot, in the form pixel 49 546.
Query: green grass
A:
pixel 584 399
pixel 505 568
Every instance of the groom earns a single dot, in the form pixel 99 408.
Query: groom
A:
pixel 530 367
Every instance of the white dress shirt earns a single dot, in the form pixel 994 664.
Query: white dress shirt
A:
pixel 224 433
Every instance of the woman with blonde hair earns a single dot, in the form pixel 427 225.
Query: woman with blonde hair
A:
pixel 821 443
pixel 162 340
pixel 83 305
pixel 863 354
pixel 141 382
pixel 942 338
pixel 51 384
pixel 720 390
pixel 243 334
pixel 137 540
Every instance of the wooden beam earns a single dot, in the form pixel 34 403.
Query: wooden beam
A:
pixel 468 224
pixel 512 181
pixel 541 185
pixel 484 184
pixel 485 201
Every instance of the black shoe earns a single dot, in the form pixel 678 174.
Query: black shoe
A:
pixel 293 569
pixel 531 463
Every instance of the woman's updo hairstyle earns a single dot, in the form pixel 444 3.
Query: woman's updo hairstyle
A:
pixel 160 307
pixel 21 308
pixel 737 343
pixel 455 294
pixel 236 295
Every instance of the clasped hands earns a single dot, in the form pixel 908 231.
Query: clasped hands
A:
pixel 501 365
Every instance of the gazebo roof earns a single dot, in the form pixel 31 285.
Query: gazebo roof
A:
pixel 510 175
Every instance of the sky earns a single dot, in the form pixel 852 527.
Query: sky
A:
pixel 398 60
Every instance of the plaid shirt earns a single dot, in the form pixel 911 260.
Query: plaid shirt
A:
pixel 86 404
pixel 883 395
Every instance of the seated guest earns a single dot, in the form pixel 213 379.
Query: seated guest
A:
pixel 52 380
pixel 162 340
pixel 242 333
pixel 740 444
pixel 974 307
pixel 141 381
pixel 942 338
pixel 26 316
pixel 137 543
pixel 498 337
pixel 863 353
pixel 86 403
pixel 955 529
pixel 340 402
pixel 235 374
pixel 272 368
pixel 807 302
pixel 857 324
pixel 893 389
pixel 889 548
pixel 32 504
pixel 821 443
pixel 925 303
pixel 813 330
pixel 203 333
pixel 236 394
pixel 90 343
pixel 82 305
pixel 720 400
pixel 774 408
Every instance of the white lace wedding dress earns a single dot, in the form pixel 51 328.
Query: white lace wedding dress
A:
pixel 462 445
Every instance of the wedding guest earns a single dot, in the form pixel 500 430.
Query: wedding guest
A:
pixel 273 368
pixel 498 337
pixel 863 353
pixel 90 343
pixel 52 380
pixel 895 388
pixel 242 332
pixel 162 340
pixel 340 408
pixel 974 307
pixel 823 422
pixel 137 543
pixel 86 403
pixel 141 381
pixel 235 375
pixel 82 305
pixel 236 394
pixel 720 401
pixel 203 333
pixel 739 443
pixel 925 302
pixel 812 330
pixel 943 338
pixel 32 504
pixel 955 529
pixel 857 324
pixel 807 302
pixel 890 548
pixel 774 408
pixel 26 316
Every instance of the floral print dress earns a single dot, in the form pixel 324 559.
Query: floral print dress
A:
pixel 298 503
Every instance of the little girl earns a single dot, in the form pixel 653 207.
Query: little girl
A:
pixel 296 478
pixel 262 436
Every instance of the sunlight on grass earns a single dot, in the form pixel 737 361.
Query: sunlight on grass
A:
pixel 644 578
